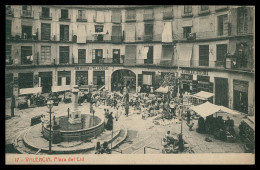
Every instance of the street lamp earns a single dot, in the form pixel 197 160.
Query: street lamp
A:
pixel 50 105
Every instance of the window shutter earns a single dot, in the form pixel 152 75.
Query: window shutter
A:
pixel 46 31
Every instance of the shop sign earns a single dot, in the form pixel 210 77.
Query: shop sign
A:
pixel 97 68
pixel 197 72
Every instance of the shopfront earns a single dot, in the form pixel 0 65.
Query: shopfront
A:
pixel 64 78
pixel 45 81
pixel 99 78
pixel 240 94
pixel 122 78
pixel 81 78
pixel 187 82
pixel 25 80
pixel 221 91
pixel 204 84
pixel 8 85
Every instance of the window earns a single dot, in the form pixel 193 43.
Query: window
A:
pixel 64 55
pixel 8 57
pixel 187 9
pixel 67 80
pixel 64 32
pixel 8 28
pixel 46 31
pixel 26 32
pixel 148 31
pixel 97 55
pixel 222 19
pixel 148 14
pixel 149 59
pixel 130 15
pixel 221 52
pixel 64 78
pixel 82 15
pixel 64 13
pixel 167 13
pixel 99 28
pixel 204 8
pixel 242 20
pixel 46 53
pixel 186 32
pixel 26 55
pixel 26 11
pixel 45 12
pixel 81 56
pixel 99 78
pixel 203 55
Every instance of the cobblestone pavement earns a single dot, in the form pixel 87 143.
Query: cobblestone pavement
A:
pixel 140 132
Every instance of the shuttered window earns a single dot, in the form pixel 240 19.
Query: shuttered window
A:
pixel 221 52
pixel 187 9
pixel 81 56
pixel 130 55
pixel 222 25
pixel 64 55
pixel 64 32
pixel 130 15
pixel 46 53
pixel 242 15
pixel 116 16
pixel 46 31
pixel 116 34
pixel 64 13
pixel 8 26
pixel 148 31
pixel 203 55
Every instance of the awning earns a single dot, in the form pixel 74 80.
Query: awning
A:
pixel 30 90
pixel 60 88
pixel 81 34
pixel 203 95
pixel 205 109
pixel 167 32
pixel 162 89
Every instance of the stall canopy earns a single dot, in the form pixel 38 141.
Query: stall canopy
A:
pixel 60 88
pixel 203 95
pixel 34 90
pixel 207 109
pixel 162 89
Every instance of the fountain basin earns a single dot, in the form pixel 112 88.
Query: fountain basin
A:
pixel 75 132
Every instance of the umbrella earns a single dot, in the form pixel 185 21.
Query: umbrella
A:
pixel 162 89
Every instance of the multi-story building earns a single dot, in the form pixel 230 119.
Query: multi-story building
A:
pixel 107 45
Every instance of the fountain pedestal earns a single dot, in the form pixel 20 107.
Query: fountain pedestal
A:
pixel 75 114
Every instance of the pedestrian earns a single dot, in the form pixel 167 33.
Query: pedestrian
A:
pixel 126 109
pixel 117 113
pixel 188 116
pixel 98 148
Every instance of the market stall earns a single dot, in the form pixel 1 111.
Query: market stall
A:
pixel 27 97
pixel 247 133
pixel 202 97
pixel 63 90
pixel 219 128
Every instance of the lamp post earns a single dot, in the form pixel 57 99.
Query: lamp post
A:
pixel 50 105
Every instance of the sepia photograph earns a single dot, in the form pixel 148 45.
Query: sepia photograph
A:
pixel 129 84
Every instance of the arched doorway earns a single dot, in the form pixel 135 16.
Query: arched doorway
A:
pixel 121 78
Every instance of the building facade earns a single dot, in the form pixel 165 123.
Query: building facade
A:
pixel 58 45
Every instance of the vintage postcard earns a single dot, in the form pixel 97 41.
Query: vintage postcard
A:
pixel 129 84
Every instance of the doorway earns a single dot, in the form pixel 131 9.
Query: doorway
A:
pixel 221 91
pixel 116 56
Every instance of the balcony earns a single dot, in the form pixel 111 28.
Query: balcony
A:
pixel 187 15
pixel 148 17
pixel 27 14
pixel 219 8
pixel 64 19
pixel 116 39
pixel 167 15
pixel 45 16
pixel 143 38
pixel 81 19
pixel 205 12
pixel 9 61
pixel 9 12
pixel 130 18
